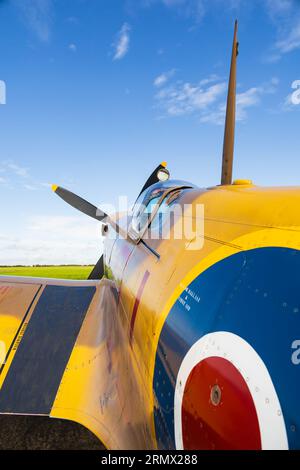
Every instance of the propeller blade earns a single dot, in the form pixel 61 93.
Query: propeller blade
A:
pixel 89 209
pixel 80 204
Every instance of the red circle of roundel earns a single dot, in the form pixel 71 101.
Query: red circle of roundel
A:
pixel 230 424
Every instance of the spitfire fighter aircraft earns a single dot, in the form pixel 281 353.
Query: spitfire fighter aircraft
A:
pixel 175 342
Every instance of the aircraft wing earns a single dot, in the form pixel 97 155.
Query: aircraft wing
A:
pixel 64 354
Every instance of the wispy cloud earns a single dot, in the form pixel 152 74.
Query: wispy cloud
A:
pixel 197 9
pixel 190 8
pixel 30 187
pixel 245 100
pixel 285 15
pixel 163 78
pixel 279 7
pixel 194 9
pixel 291 41
pixel 14 175
pixel 121 45
pixel 188 98
pixel 72 20
pixel 18 170
pixel 181 98
pixel 10 167
pixel 38 16
pixel 206 99
pixel 72 47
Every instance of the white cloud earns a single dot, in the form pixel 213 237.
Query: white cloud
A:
pixel 206 99
pixel 30 187
pixel 12 169
pixel 17 169
pixel 244 101
pixel 15 175
pixel 72 47
pixel 195 9
pixel 278 7
pixel 189 8
pixel 185 98
pixel 291 41
pixel 285 15
pixel 73 20
pixel 53 240
pixel 37 15
pixel 163 78
pixel 121 46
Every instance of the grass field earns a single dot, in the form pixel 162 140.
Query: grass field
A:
pixel 58 272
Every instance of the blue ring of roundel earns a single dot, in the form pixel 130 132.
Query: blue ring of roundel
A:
pixel 254 294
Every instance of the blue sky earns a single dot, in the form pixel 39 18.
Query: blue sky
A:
pixel 98 92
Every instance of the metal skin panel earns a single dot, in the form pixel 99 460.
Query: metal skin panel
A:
pixel 16 302
pixel 32 381
pixel 109 383
pixel 228 230
pixel 102 388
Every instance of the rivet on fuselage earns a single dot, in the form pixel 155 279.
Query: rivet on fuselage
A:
pixel 215 395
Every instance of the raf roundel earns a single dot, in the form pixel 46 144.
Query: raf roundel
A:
pixel 224 376
pixel 225 398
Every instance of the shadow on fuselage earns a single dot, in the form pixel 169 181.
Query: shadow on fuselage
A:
pixel 43 433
